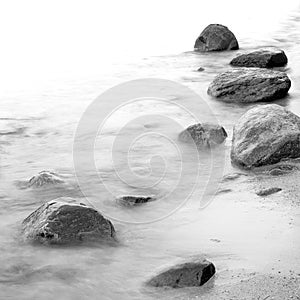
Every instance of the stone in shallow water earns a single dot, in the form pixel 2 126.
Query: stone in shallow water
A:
pixel 248 85
pixel 216 37
pixel 268 191
pixel 60 222
pixel 265 135
pixel 193 273
pixel 131 200
pixel 263 58
pixel 205 134
pixel 44 178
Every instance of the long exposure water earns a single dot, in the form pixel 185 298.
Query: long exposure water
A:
pixel 41 106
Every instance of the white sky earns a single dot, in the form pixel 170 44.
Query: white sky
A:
pixel 48 39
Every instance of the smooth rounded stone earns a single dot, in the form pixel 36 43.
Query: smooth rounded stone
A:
pixel 248 85
pixel 131 200
pixel 216 37
pixel 205 134
pixel 265 135
pixel 201 69
pixel 268 57
pixel 268 191
pixel 187 274
pixel 62 221
pixel 44 178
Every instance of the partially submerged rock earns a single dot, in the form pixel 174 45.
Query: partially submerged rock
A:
pixel 193 273
pixel 247 85
pixel 265 135
pixel 131 200
pixel 268 57
pixel 44 178
pixel 216 37
pixel 205 134
pixel 60 222
pixel 268 191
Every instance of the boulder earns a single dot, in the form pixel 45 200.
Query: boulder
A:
pixel 263 58
pixel 61 222
pixel 44 178
pixel 131 200
pixel 216 37
pixel 187 274
pixel 265 135
pixel 247 85
pixel 205 134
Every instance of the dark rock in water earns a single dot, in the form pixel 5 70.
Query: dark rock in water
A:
pixel 194 273
pixel 216 37
pixel 200 69
pixel 44 178
pixel 265 135
pixel 247 85
pixel 263 58
pixel 134 200
pixel 205 134
pixel 60 222
pixel 269 191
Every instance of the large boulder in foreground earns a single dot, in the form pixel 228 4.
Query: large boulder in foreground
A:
pixel 193 273
pixel 216 37
pixel 268 57
pixel 265 135
pixel 247 85
pixel 60 222
pixel 203 135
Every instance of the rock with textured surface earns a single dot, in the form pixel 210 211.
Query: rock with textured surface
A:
pixel 268 57
pixel 216 37
pixel 265 135
pixel 62 222
pixel 193 273
pixel 133 200
pixel 205 134
pixel 44 178
pixel 247 85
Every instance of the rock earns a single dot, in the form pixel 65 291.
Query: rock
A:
pixel 282 170
pixel 216 37
pixel 205 134
pixel 201 69
pixel 61 222
pixel 263 58
pixel 194 273
pixel 265 135
pixel 269 191
pixel 134 200
pixel 44 178
pixel 247 85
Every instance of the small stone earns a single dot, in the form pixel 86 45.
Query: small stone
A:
pixel 131 200
pixel 268 191
pixel 187 274
pixel 205 134
pixel 44 178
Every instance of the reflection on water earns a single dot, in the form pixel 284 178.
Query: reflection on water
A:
pixel 37 133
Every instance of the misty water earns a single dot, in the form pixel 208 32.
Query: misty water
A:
pixel 136 152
